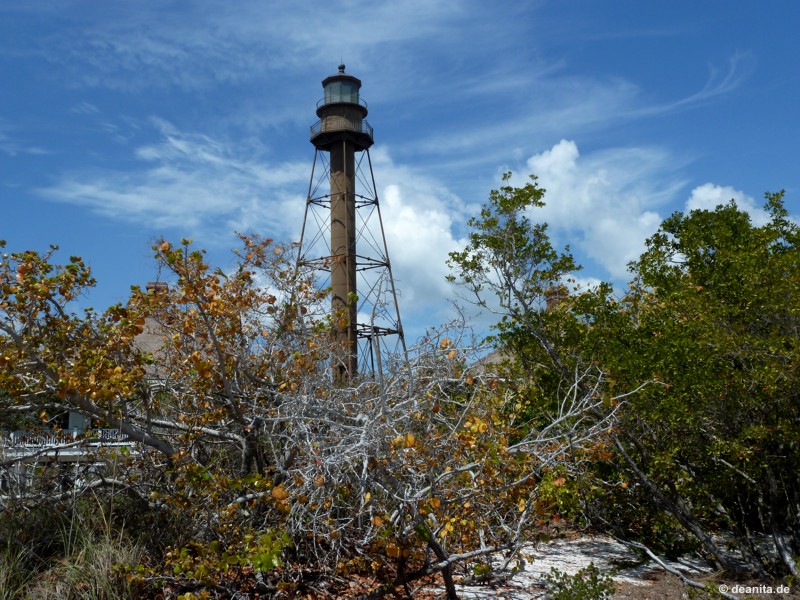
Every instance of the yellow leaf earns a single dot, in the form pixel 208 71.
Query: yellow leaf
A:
pixel 410 440
pixel 367 496
pixel 279 493
pixel 451 355
pixel 444 343
pixel 521 505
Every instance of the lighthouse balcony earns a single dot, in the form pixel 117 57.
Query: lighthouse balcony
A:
pixel 336 124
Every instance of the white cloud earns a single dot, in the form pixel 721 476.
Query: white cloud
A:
pixel 604 205
pixel 419 216
pixel 550 102
pixel 709 195
pixel 421 238
pixel 607 204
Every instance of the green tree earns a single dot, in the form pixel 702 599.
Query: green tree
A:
pixel 713 314
pixel 695 367
pixel 511 267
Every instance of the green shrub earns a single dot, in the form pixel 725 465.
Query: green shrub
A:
pixel 587 584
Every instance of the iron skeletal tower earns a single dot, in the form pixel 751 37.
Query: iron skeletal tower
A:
pixel 343 236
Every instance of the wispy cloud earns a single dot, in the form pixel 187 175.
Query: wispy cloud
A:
pixel 719 82
pixel 189 182
pixel 84 108
pixel 570 105
pixel 509 90
pixel 13 146
pixel 206 42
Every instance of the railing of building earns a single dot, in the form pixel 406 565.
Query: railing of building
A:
pixel 335 123
pixel 27 439
pixel 22 454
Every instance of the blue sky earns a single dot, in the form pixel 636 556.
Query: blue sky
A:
pixel 121 122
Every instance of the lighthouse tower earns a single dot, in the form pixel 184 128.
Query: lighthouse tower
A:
pixel 343 237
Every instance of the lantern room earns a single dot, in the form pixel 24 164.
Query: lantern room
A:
pixel 341 88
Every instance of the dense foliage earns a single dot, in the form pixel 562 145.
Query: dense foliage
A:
pixel 244 467
pixel 712 315
pixel 697 365
pixel 668 415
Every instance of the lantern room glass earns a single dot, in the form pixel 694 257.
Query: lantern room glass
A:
pixel 341 91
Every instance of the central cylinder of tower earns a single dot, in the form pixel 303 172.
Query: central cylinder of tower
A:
pixel 344 299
